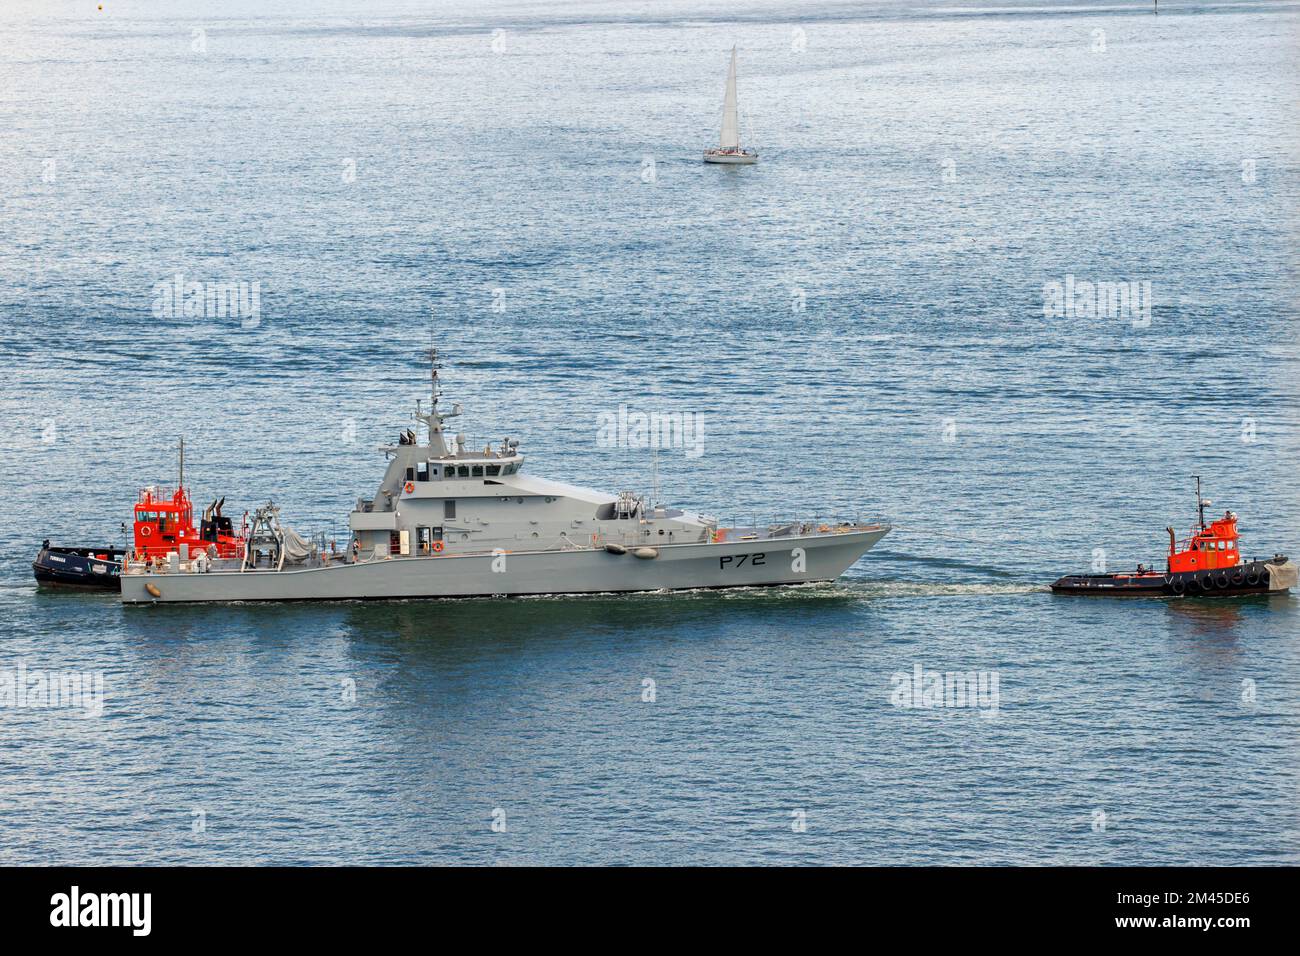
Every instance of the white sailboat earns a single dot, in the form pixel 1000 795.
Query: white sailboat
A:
pixel 729 150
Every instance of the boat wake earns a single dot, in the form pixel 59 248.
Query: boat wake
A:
pixel 890 590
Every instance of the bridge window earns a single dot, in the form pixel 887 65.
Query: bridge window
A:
pixel 493 470
pixel 477 471
pixel 410 474
pixel 422 471
pixel 463 471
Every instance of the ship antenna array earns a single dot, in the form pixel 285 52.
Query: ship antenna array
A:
pixel 1200 502
pixel 433 372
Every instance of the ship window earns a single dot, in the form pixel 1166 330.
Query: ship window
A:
pixel 410 474
pixel 477 471
pixel 463 471
pixel 493 470
pixel 422 471
pixel 449 509
pixel 1222 545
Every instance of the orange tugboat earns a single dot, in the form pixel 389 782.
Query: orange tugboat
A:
pixel 162 525
pixel 1205 564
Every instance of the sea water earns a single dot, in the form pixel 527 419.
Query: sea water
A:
pixel 871 322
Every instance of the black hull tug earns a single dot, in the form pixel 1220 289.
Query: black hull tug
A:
pixel 1205 564
pixel 92 568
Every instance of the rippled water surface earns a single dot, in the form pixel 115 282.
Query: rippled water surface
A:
pixel 860 321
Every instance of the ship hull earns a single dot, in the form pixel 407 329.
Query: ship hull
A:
pixel 1253 577
pixel 773 561
pixel 78 568
pixel 731 159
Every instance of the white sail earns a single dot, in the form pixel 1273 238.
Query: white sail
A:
pixel 730 124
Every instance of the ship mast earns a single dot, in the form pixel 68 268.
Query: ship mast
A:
pixel 1200 502
pixel 435 418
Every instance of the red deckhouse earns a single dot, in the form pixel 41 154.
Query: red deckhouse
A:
pixel 1210 546
pixel 164 521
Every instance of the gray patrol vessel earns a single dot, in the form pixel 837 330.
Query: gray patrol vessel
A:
pixel 449 522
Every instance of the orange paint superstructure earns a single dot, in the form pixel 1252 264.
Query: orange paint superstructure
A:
pixel 164 521
pixel 1208 547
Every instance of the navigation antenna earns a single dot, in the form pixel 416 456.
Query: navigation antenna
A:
pixel 434 393
pixel 1200 502
pixel 181 481
pixel 434 418
pixel 654 480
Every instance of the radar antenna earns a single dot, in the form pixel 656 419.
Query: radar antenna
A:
pixel 435 391
pixel 434 418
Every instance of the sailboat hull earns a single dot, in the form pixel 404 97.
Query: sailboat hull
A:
pixel 730 159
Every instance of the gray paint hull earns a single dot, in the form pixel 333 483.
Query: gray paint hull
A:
pixel 678 567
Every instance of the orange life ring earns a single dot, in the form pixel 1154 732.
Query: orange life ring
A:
pixel 409 486
pixel 437 547
pixel 145 531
